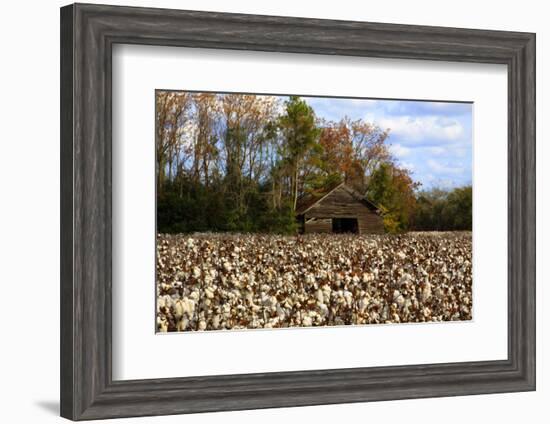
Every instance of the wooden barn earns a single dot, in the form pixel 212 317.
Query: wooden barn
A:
pixel 340 210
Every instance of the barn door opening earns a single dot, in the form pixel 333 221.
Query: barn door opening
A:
pixel 345 225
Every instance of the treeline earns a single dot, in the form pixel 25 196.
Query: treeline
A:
pixel 438 210
pixel 235 162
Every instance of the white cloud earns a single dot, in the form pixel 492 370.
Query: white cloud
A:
pixel 443 168
pixel 399 151
pixel 436 150
pixel 422 128
pixel 407 165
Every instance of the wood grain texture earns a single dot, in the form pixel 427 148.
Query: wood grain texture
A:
pixel 88 33
pixel 317 225
pixel 66 214
pixel 340 203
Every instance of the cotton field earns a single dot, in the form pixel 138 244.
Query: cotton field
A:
pixel 230 281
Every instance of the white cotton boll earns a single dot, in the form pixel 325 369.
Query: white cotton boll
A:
pixel 216 321
pixel 280 312
pixel 236 282
pixel 400 300
pixel 182 324
pixel 251 281
pixel 178 309
pixel 385 312
pixel 375 316
pixel 209 292
pixel 160 303
pixel 363 304
pixel 268 301
pixel 348 297
pixel 162 324
pixel 426 291
pixel 168 301
pixel 188 307
pixel 202 325
pixel 319 295
pixel 405 279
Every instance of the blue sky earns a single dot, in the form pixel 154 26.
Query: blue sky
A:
pixel 431 139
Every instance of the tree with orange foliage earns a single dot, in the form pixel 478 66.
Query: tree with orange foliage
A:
pixel 351 150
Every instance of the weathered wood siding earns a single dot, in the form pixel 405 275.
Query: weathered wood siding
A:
pixel 342 204
pixel 318 225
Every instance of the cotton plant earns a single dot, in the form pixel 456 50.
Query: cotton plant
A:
pixel 249 281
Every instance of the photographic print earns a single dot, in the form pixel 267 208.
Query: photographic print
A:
pixel 277 211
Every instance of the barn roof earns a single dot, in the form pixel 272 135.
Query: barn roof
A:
pixel 308 201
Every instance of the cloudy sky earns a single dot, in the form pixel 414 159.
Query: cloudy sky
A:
pixel 431 139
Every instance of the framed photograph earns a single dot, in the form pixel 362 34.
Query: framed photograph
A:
pixel 265 212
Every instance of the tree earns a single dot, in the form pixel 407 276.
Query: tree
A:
pixel 171 116
pixel 300 134
pixel 459 208
pixel 239 162
pixel 205 149
pixel 351 150
pixel 443 210
pixel 244 136
pixel 392 188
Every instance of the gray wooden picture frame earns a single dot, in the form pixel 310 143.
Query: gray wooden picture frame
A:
pixel 88 33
